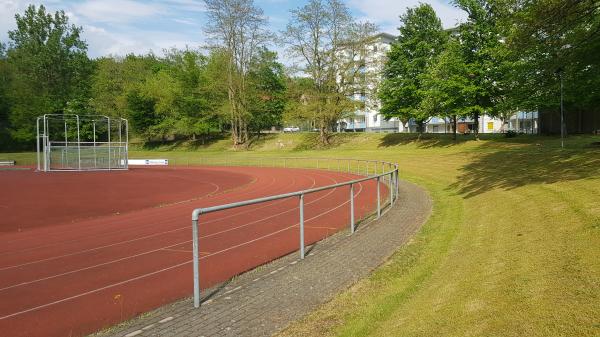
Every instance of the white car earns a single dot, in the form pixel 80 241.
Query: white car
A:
pixel 291 129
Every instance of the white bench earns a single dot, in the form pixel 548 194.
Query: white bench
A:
pixel 7 163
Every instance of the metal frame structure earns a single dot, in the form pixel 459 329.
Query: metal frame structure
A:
pixel 384 172
pixel 71 142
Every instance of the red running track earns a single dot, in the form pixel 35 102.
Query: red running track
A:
pixel 82 251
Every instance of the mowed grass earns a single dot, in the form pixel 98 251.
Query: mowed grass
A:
pixel 512 247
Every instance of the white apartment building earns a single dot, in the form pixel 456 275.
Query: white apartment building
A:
pixel 369 119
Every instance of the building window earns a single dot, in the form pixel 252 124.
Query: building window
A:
pixel 375 48
pixel 375 118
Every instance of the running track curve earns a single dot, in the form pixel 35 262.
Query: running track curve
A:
pixel 83 251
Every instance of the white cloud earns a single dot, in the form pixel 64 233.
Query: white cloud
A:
pixel 116 11
pixel 134 41
pixel 186 21
pixel 189 5
pixel 385 13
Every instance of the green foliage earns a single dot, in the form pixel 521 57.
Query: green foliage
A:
pixel 50 68
pixel 551 36
pixel 421 39
pixel 267 99
pixel 446 86
pixel 332 47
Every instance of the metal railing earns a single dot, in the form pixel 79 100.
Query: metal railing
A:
pixel 383 172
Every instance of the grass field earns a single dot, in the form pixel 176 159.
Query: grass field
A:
pixel 512 247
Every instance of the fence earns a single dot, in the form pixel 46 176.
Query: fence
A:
pixel 383 172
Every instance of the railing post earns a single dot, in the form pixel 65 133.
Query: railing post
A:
pixel 348 162
pixel 301 226
pixel 391 187
pixel 397 183
pixel 352 208
pixel 378 200
pixel 195 260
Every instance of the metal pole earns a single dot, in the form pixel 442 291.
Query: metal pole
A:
pixel 348 162
pixel 78 145
pixel 46 146
pixel 301 226
pixel 397 183
pixel 378 200
pixel 195 262
pixel 65 152
pixel 352 208
pixel 120 142
pixel 109 159
pixel 37 127
pixel 391 187
pixel 94 143
pixel 562 116
pixel 126 144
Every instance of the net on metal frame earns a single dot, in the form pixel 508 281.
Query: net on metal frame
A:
pixel 82 143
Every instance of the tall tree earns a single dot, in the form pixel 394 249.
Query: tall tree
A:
pixel 267 99
pixel 51 69
pixel 484 53
pixel 239 29
pixel 332 48
pixel 5 82
pixel 552 37
pixel 421 38
pixel 446 87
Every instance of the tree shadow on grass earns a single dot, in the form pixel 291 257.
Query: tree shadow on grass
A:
pixel 426 140
pixel 512 167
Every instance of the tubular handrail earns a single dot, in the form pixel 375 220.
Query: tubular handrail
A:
pixel 393 194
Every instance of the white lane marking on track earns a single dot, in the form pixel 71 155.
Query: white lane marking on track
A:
pixel 165 320
pixel 133 256
pixel 133 240
pixel 164 269
pixel 140 219
pixel 58 233
pixel 262 187
pixel 143 253
pixel 95 290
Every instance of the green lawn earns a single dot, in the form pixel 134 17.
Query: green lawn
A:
pixel 512 247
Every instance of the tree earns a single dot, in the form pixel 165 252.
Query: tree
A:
pixel 550 36
pixel 421 39
pixel 446 86
pixel 194 114
pixel 238 28
pixel 266 80
pixel 484 53
pixel 51 69
pixel 5 82
pixel 332 47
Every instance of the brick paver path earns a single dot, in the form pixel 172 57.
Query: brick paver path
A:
pixel 267 299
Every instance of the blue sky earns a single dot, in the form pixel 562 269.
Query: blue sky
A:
pixel 119 27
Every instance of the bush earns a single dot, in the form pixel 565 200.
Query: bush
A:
pixel 510 134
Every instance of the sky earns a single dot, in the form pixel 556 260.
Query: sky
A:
pixel 119 27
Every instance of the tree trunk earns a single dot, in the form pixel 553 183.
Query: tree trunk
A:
pixel 454 126
pixel 421 126
pixel 476 125
pixel 323 133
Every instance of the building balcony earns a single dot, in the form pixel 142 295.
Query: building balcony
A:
pixel 355 126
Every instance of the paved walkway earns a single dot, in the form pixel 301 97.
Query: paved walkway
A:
pixel 267 299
